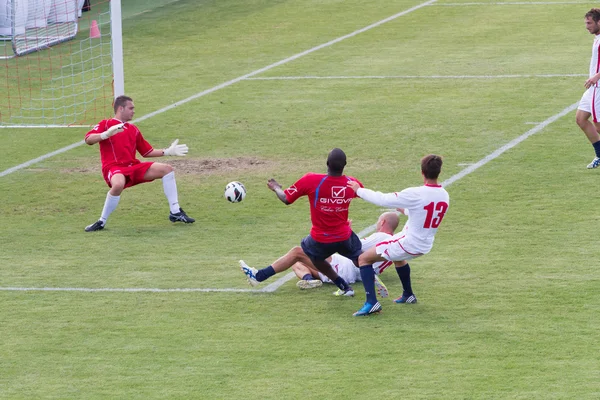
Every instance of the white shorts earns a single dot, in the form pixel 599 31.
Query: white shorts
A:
pixel 590 102
pixel 394 250
pixel 344 268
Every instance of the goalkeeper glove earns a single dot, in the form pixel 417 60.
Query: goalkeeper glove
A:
pixel 113 130
pixel 176 149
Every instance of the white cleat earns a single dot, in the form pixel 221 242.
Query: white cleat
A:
pixel 594 164
pixel 313 283
pixel 380 287
pixel 249 272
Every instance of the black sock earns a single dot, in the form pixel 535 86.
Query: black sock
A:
pixel 307 277
pixel 265 273
pixel 341 283
pixel 404 274
pixel 368 279
pixel 597 148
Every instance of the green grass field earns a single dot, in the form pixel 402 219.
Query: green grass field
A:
pixel 508 298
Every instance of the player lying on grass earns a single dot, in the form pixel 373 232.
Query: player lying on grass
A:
pixel 310 277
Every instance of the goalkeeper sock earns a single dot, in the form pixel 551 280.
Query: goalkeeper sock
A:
pixel 170 188
pixel 110 204
pixel 265 273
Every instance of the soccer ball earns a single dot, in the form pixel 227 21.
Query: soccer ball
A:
pixel 235 192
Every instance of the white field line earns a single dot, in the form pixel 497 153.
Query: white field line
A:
pixel 272 287
pixel 275 285
pixel 267 289
pixel 512 3
pixel 43 126
pixel 472 167
pixel 231 82
pixel 291 78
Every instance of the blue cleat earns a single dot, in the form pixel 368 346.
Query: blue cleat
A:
pixel 368 309
pixel 404 299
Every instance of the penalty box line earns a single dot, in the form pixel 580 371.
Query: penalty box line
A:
pixel 229 83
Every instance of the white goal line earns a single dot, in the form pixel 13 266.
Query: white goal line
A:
pixel 509 76
pixel 510 3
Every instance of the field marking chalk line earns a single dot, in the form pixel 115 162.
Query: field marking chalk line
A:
pixel 231 82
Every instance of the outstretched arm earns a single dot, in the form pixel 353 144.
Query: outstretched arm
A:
pixel 276 187
pixel 175 149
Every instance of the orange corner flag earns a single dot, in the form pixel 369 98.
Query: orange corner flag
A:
pixel 94 30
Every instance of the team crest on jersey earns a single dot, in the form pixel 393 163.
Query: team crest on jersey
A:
pixel 338 192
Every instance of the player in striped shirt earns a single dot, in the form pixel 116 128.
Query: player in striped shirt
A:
pixel 589 105
pixel 425 206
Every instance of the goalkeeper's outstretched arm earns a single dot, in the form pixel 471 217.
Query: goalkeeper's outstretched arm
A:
pixel 175 149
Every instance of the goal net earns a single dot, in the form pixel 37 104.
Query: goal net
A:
pixel 58 62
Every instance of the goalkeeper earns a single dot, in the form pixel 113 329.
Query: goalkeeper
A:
pixel 119 140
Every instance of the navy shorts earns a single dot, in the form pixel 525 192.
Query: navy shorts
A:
pixel 350 248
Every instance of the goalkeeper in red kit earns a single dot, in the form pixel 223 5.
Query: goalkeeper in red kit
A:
pixel 119 140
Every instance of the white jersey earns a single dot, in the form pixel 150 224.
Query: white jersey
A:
pixel 595 61
pixel 426 207
pixel 346 268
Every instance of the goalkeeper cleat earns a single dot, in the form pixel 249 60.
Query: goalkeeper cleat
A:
pixel 96 226
pixel 594 164
pixel 404 299
pixel 311 284
pixel 380 287
pixel 368 309
pixel 181 216
pixel 349 292
pixel 249 272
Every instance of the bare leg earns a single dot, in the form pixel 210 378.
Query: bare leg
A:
pixel 591 131
pixel 292 257
pixel 301 270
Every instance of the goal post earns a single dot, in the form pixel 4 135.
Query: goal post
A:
pixel 63 61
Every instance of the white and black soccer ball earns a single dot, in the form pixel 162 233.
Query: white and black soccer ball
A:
pixel 235 192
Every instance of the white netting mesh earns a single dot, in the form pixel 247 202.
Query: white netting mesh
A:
pixel 57 60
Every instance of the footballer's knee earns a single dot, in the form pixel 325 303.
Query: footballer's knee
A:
pixel 297 253
pixel 166 169
pixel 581 119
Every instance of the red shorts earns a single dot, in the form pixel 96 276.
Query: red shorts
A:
pixel 134 174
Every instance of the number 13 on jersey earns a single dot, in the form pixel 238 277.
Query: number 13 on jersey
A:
pixel 435 214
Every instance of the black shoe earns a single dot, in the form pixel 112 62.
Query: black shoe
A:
pixel 181 216
pixel 96 226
